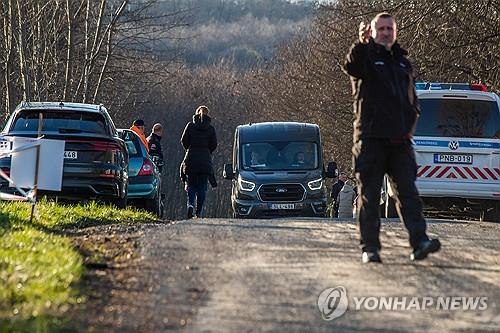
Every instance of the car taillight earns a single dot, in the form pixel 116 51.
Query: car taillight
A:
pixel 106 146
pixel 98 145
pixel 147 168
pixel 6 171
pixel 479 87
pixel 109 174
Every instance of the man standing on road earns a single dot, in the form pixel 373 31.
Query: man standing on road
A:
pixel 154 144
pixel 336 188
pixel 386 110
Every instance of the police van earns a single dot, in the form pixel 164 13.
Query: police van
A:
pixel 457 147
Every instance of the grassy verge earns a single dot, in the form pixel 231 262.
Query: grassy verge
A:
pixel 39 268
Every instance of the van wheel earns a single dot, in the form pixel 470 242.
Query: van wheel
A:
pixel 492 214
pixel 390 208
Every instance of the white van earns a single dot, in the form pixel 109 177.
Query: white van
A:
pixel 457 146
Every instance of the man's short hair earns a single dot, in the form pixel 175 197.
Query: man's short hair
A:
pixel 157 127
pixel 384 15
pixel 138 122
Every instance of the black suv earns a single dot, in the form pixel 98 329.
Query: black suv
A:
pixel 95 158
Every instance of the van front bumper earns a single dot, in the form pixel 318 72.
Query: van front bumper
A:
pixel 259 209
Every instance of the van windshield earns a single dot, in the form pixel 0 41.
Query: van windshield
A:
pixel 458 118
pixel 277 156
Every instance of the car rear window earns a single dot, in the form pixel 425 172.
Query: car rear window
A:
pixel 60 121
pixel 458 118
pixel 132 143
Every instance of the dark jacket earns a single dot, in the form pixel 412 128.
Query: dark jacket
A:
pixel 199 140
pixel 336 188
pixel 385 102
pixel 154 142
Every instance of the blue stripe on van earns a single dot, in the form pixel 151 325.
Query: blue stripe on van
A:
pixel 463 144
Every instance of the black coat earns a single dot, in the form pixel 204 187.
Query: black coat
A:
pixel 336 188
pixel 385 102
pixel 154 143
pixel 199 140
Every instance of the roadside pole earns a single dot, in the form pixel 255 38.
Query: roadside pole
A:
pixel 37 166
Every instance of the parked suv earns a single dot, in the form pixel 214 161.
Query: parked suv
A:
pixel 278 170
pixel 95 158
pixel 144 189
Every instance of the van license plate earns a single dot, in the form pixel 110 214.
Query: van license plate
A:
pixel 453 158
pixel 70 155
pixel 282 206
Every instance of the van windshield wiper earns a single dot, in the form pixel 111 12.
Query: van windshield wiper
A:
pixel 256 167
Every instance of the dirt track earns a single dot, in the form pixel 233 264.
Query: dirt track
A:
pixel 219 275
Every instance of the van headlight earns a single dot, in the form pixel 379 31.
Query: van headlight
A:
pixel 315 184
pixel 245 185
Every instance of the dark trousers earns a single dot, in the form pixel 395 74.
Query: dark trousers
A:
pixel 373 158
pixel 196 191
pixel 336 208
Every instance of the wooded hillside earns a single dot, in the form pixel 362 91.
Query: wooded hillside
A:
pixel 158 60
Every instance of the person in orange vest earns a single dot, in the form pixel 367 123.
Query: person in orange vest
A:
pixel 138 128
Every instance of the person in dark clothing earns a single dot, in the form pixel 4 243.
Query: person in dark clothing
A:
pixel 386 110
pixel 154 143
pixel 336 188
pixel 199 141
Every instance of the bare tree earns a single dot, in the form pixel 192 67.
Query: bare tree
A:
pixel 8 46
pixel 79 50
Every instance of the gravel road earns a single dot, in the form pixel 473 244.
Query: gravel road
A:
pixel 222 275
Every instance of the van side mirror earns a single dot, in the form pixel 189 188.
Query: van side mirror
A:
pixel 331 170
pixel 228 171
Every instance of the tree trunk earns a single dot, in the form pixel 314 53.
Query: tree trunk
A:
pixel 21 49
pixel 9 50
pixel 69 51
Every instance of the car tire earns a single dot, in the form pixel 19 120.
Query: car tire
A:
pixel 154 206
pixel 119 203
pixel 390 208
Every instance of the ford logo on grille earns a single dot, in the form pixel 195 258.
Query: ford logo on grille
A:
pixel 281 190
